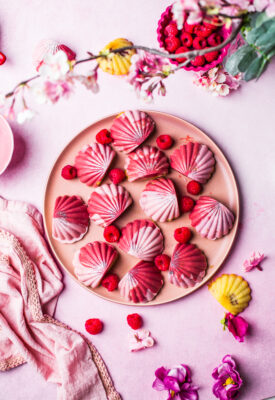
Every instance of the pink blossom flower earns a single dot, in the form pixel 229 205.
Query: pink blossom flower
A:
pixel 55 66
pixel 265 5
pixel 140 340
pixel 89 81
pixel 147 73
pixel 177 381
pixel 217 81
pixel 25 115
pixel 191 7
pixel 52 91
pixel 236 325
pixel 253 261
pixel 227 379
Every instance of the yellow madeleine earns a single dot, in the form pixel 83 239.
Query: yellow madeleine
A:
pixel 115 63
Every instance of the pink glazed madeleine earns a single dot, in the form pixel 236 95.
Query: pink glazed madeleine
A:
pixel 193 160
pixel 93 261
pixel 92 163
pixel 146 162
pixel 142 239
pixel 142 283
pixel 211 219
pixel 107 203
pixel 70 219
pixel 159 200
pixel 130 129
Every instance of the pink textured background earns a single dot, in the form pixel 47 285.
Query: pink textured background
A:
pixel 188 330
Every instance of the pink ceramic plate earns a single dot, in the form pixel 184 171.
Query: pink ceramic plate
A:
pixel 6 144
pixel 221 186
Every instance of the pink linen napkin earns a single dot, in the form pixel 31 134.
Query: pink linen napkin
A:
pixel 30 283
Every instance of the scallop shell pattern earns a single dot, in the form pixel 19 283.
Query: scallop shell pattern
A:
pixel 130 129
pixel 188 265
pixel 70 219
pixel 147 162
pixel 142 239
pixel 211 218
pixel 92 262
pixel 92 163
pixel 232 292
pixel 194 160
pixel 159 200
pixel 142 283
pixel 107 203
pixel 116 63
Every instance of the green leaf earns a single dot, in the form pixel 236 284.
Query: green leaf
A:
pixel 255 69
pixel 267 41
pixel 260 18
pixel 247 60
pixel 234 60
pixel 256 33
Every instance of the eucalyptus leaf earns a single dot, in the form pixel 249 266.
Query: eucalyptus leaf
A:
pixel 234 60
pixel 256 33
pixel 255 69
pixel 259 19
pixel 267 41
pixel 247 60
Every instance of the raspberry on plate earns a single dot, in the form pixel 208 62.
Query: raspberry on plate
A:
pixel 111 234
pixel 187 204
pixel 212 56
pixel 198 61
pixel 194 187
pixel 162 262
pixel 172 43
pixel 182 235
pixel 110 282
pixel 199 43
pixel 186 39
pixel 171 29
pixel 134 321
pixel 164 142
pixel 69 172
pixel 214 39
pixel 181 49
pixel 104 137
pixel 94 326
pixel 189 28
pixel 117 175
pixel 203 31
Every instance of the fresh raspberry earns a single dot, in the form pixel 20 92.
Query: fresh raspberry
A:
pixel 181 49
pixel 182 235
pixel 172 43
pixel 110 282
pixel 186 39
pixel 93 326
pixel 104 137
pixel 2 58
pixel 164 142
pixel 194 187
pixel 162 262
pixel 212 56
pixel 213 24
pixel 202 31
pixel 198 61
pixel 187 204
pixel 171 29
pixel 189 28
pixel 111 234
pixel 69 172
pixel 117 175
pixel 214 39
pixel 69 52
pixel 199 43
pixel 134 321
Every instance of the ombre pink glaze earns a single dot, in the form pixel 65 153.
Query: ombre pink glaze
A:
pixel 188 265
pixel 146 162
pixel 70 219
pixel 142 239
pixel 193 160
pixel 211 219
pixel 107 203
pixel 159 200
pixel 6 144
pixel 142 283
pixel 92 262
pixel 166 17
pixel 130 129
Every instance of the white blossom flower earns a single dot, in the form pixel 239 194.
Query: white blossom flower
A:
pixel 25 115
pixel 55 66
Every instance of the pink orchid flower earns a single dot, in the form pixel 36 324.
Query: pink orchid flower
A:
pixel 253 261
pixel 140 340
pixel 236 325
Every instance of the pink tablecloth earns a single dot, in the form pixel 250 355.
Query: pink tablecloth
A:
pixel 187 331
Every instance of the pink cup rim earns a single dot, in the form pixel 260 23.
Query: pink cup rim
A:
pixel 224 50
pixel 4 124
